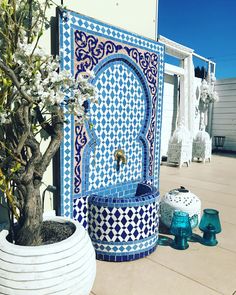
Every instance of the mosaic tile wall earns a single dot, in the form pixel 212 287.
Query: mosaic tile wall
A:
pixel 120 213
pixel 129 80
pixel 117 120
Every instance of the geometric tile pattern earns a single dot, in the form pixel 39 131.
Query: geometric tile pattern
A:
pixel 67 175
pixel 158 122
pixel 80 211
pixel 124 224
pixel 93 52
pixel 117 121
pixel 140 51
pixel 125 252
pixel 123 229
pixel 90 51
pixel 126 190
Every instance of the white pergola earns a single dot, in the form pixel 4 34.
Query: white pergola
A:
pixel 185 72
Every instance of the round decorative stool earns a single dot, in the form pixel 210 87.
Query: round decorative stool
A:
pixel 183 200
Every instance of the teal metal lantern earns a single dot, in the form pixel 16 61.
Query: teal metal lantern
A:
pixel 210 226
pixel 181 229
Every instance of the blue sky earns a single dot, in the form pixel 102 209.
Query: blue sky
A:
pixel 207 26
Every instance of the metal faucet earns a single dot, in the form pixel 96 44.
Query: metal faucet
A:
pixel 120 158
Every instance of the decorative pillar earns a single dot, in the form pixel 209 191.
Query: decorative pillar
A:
pixel 191 96
pixel 187 106
pixel 183 104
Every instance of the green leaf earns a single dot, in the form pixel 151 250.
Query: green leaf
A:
pixel 16 167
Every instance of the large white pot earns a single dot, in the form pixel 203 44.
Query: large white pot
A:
pixel 66 267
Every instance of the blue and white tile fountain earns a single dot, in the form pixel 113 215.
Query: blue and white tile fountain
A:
pixel 114 195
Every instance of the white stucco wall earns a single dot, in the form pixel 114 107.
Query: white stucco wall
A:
pixel 136 16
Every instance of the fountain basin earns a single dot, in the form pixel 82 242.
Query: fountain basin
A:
pixel 124 228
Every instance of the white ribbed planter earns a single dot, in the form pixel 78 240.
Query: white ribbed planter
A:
pixel 66 267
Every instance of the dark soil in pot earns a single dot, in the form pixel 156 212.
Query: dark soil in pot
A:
pixel 53 232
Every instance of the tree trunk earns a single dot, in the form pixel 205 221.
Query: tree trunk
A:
pixel 29 233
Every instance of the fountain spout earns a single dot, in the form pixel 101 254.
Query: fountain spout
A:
pixel 120 158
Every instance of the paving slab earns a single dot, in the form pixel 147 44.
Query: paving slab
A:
pixel 143 277
pixel 213 267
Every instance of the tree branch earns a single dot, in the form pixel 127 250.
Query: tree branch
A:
pixel 10 73
pixel 22 118
pixel 21 142
pixel 30 20
pixel 55 142
pixel 40 31
pixel 35 158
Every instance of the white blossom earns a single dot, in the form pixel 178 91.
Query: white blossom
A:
pixel 40 78
pixel 4 118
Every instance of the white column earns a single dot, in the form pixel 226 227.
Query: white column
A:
pixel 191 94
pixel 183 96
pixel 187 103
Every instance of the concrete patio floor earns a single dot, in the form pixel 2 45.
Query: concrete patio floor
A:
pixel 199 270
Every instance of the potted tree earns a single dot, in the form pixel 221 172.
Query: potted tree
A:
pixel 34 96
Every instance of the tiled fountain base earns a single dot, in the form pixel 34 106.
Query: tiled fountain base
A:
pixel 124 229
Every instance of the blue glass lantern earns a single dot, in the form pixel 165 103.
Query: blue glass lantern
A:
pixel 181 229
pixel 210 226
